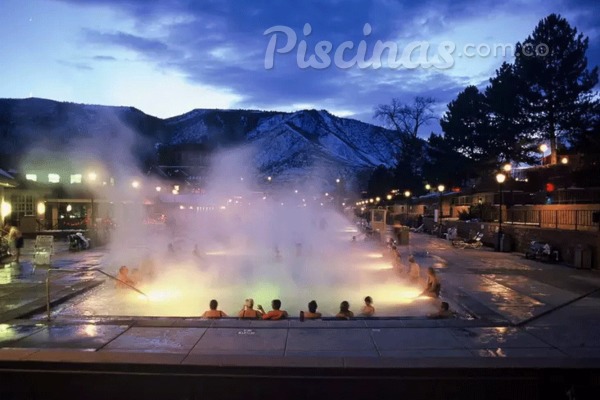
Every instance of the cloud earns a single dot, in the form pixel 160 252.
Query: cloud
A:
pixel 222 44
pixel 76 65
pixel 104 58
pixel 149 47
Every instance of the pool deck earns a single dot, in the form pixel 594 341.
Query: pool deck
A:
pixel 528 317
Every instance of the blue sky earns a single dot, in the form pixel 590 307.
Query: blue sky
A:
pixel 171 56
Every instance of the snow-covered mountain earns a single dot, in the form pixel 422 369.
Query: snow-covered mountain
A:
pixel 306 144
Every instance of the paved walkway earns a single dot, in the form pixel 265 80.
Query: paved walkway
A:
pixel 520 309
pixel 527 330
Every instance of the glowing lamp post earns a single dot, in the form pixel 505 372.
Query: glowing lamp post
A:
pixel 407 196
pixel 440 189
pixel 543 149
pixel 5 210
pixel 500 178
pixel 92 176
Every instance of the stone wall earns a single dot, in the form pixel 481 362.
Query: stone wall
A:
pixel 565 241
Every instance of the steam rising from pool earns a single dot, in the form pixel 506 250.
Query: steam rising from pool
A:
pixel 242 238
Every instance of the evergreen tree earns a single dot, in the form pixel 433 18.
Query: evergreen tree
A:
pixel 560 98
pixel 465 124
pixel 445 165
pixel 507 126
pixel 381 182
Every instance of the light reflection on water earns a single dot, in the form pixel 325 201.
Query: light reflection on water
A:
pixel 185 287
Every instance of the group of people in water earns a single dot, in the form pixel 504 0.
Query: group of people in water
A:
pixel 276 313
pixel 410 271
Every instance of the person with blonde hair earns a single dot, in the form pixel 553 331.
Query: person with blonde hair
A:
pixel 248 311
pixel 15 240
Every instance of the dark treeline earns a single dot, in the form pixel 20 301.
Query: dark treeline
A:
pixel 546 96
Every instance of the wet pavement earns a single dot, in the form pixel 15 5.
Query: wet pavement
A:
pixel 510 308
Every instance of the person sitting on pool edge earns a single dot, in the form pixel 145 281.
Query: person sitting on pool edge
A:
pixel 275 313
pixel 414 271
pixel 345 312
pixel 213 313
pixel 312 311
pixel 433 284
pixel 368 310
pixel 248 311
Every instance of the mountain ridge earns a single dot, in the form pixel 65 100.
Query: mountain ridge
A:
pixel 292 144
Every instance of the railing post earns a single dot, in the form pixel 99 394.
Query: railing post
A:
pixel 556 218
pixel 48 294
pixel 576 218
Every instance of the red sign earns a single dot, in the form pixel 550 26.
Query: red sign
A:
pixel 550 187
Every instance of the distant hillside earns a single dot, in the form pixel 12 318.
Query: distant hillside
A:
pixel 109 133
pixel 291 146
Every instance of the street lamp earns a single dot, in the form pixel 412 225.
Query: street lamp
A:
pixel 407 195
pixel 500 178
pixel 92 176
pixel 543 149
pixel 440 189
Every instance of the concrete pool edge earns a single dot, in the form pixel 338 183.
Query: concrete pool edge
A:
pixel 58 296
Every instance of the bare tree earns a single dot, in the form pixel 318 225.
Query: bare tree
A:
pixel 406 119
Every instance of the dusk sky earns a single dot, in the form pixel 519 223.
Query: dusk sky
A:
pixel 169 57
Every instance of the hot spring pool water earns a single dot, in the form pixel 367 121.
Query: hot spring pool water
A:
pixel 182 285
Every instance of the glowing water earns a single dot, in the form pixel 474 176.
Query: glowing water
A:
pixel 327 267
pixel 277 242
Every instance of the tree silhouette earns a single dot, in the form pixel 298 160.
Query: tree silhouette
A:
pixel 560 97
pixel 507 124
pixel 405 120
pixel 465 124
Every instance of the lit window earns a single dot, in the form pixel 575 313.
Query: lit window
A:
pixel 76 178
pixel 31 177
pixel 22 205
pixel 53 178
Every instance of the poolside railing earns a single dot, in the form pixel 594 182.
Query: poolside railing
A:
pixel 73 271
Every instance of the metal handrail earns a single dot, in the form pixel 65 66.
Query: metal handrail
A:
pixel 72 271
